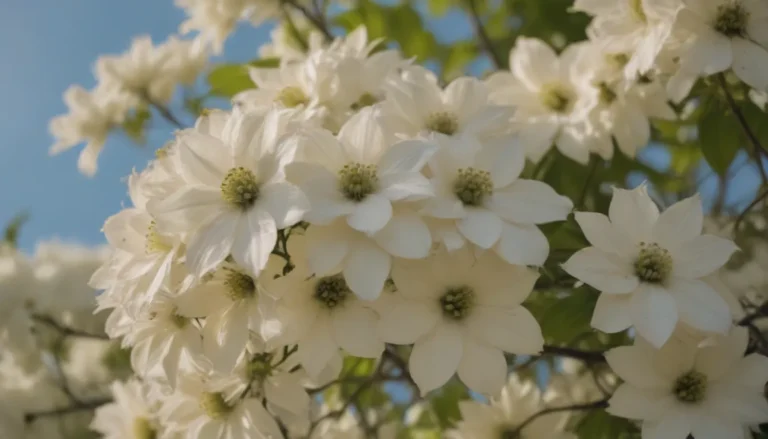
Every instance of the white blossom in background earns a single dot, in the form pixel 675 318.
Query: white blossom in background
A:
pixel 462 313
pixel 637 27
pixel 648 267
pixel 90 118
pixel 504 414
pixel 481 193
pixel 711 392
pixel 549 99
pixel 133 414
pixel 718 35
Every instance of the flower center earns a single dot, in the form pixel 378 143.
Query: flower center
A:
pixel 732 19
pixel 472 186
pixel 214 405
pixel 332 291
pixel 365 100
pixel 239 285
pixel 617 60
pixel 154 242
pixel 292 97
pixel 456 303
pixel 653 263
pixel 443 122
pixel 606 94
pixel 178 321
pixel 556 97
pixel 690 388
pixel 142 429
pixel 357 181
pixel 509 432
pixel 240 188
pixel 637 9
pixel 260 366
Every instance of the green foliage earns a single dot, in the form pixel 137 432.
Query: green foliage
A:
pixel 719 134
pixel 13 229
pixel 598 424
pixel 136 123
pixel 227 80
pixel 564 317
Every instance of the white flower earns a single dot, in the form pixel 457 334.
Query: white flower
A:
pixel 130 416
pixel 205 407
pixel 637 27
pixel 359 174
pixel 550 102
pixel 92 115
pixel 321 314
pixel 649 266
pixel 719 35
pixel 235 196
pixel 504 414
pixel 489 205
pixel 461 113
pixel 461 313
pixel 712 392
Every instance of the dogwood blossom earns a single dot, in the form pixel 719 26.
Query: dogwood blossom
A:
pixel 648 266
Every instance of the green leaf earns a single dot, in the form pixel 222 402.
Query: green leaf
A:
pixel 12 230
pixel 227 80
pixel 446 403
pixel 719 135
pixel 565 317
pixel 457 57
pixel 598 424
pixel 439 7
pixel 134 126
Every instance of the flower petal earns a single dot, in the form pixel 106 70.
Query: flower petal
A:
pixel 366 270
pixel 212 244
pixel 700 306
pixel 317 347
pixel 255 240
pixel 481 227
pixel 633 213
pixel 611 313
pixel 405 236
pixel 701 256
pixel 634 364
pixel 406 156
pixel 602 271
pixel 355 331
pixel 505 162
pixel 640 404
pixel 522 244
pixel 750 62
pixel 707 427
pixel 654 314
pixel 602 234
pixel 530 202
pixel 371 214
pixel 285 203
pixel 407 186
pixel 326 249
pixel 435 358
pixel 407 321
pixel 715 360
pixel 515 331
pixel 680 223
pixel 482 368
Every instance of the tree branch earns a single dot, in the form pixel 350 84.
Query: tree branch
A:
pixel 482 35
pixel 79 407
pixel 317 21
pixel 601 404
pixel 65 330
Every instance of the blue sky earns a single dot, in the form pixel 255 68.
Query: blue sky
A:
pixel 48 45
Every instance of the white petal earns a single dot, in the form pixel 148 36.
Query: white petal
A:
pixel 285 391
pixel 321 147
pixel 366 270
pixel 751 371
pixel 407 321
pixel 204 158
pixel 680 223
pixel 259 419
pixel 711 53
pixel 533 62
pixel 468 94
pixel 654 314
pixel 326 249
pixel 436 357
pixel 355 331
pixel 611 313
pixel 409 186
pixel 707 427
pixel 701 256
pixel 212 244
pixel 633 213
pixel 530 202
pixel 188 208
pixel 362 137
pixel 284 202
pixel 750 62
pixel 317 348
pixel 255 240
pixel 600 233
pixel 481 227
pixel 405 236
pixel 371 214
pixel 635 366
pixel 715 360
pixel 523 245
pixel 640 404
pixel 505 162
pixel 515 331
pixel 675 425
pixel 603 271
pixel 482 368
pixel 406 156
pixel 700 306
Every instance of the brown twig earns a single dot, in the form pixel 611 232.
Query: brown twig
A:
pixel 317 20
pixel 603 403
pixel 482 35
pixel 79 407
pixel 586 356
pixel 65 330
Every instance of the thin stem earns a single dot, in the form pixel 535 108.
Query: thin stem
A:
pixel 65 330
pixel 743 215
pixel 586 356
pixel 593 165
pixel 482 35
pixel 757 147
pixel 79 407
pixel 603 403
pixel 295 30
pixel 317 21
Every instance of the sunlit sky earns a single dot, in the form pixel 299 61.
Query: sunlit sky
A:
pixel 46 45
